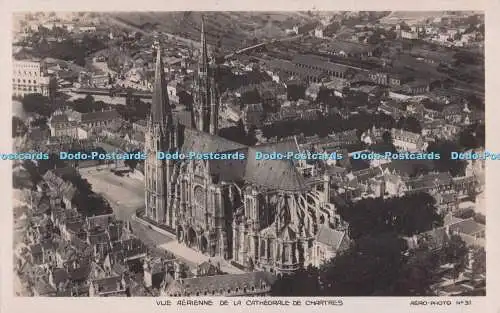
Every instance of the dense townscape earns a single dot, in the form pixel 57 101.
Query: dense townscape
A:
pixel 347 85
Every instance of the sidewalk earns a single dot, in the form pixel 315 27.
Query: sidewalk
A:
pixel 181 251
pixel 194 256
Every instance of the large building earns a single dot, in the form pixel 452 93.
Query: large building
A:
pixel 259 214
pixel 29 77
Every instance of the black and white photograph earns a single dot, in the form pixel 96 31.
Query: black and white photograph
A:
pixel 248 154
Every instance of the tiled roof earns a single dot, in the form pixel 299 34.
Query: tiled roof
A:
pixel 109 284
pixel 435 238
pixel 100 116
pixel 36 249
pixel 80 273
pixel 43 287
pixel 289 68
pixel 60 118
pixel 223 283
pixel 330 237
pixel 468 227
pixel 450 219
pixel 366 174
pixel 60 275
pixel 430 181
pixel 319 63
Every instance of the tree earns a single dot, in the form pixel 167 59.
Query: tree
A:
pixel 472 137
pixel 445 163
pixel 132 163
pixel 302 283
pixel 455 251
pixel 417 275
pixel 40 122
pixel 18 127
pixel 295 91
pixel 368 268
pixel 410 124
pixel 405 216
pixel 37 103
pixel 478 263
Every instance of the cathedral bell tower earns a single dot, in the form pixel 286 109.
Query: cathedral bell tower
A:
pixel 160 136
pixel 206 97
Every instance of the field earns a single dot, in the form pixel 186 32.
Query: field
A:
pixel 230 29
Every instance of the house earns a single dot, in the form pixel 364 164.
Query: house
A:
pixel 59 279
pixel 99 240
pixel 42 288
pixel 431 183
pixel 407 141
pixel 108 287
pixel 233 112
pixel 252 115
pixel 468 227
pixel 140 126
pixel 411 35
pixel 43 252
pixel 65 255
pixel 72 228
pixel 349 49
pixel 327 244
pixel 380 78
pixel 208 269
pixel 417 87
pixel 338 85
pixel 228 285
pixel 156 271
pixel 102 118
pixel 61 126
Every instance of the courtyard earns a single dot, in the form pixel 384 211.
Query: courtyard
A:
pixel 124 193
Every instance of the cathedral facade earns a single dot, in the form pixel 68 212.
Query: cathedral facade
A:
pixel 259 214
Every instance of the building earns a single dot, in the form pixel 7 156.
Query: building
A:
pixel 228 285
pixel 30 77
pixel 322 64
pixel 100 119
pixel 411 35
pixel 108 287
pixel 328 243
pixel 282 70
pixel 407 141
pixel 99 80
pixel 349 49
pixel 61 126
pixel 248 211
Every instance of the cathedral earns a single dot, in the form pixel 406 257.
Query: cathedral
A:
pixel 259 214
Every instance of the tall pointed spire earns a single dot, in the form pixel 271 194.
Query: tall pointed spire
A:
pixel 160 108
pixel 203 63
